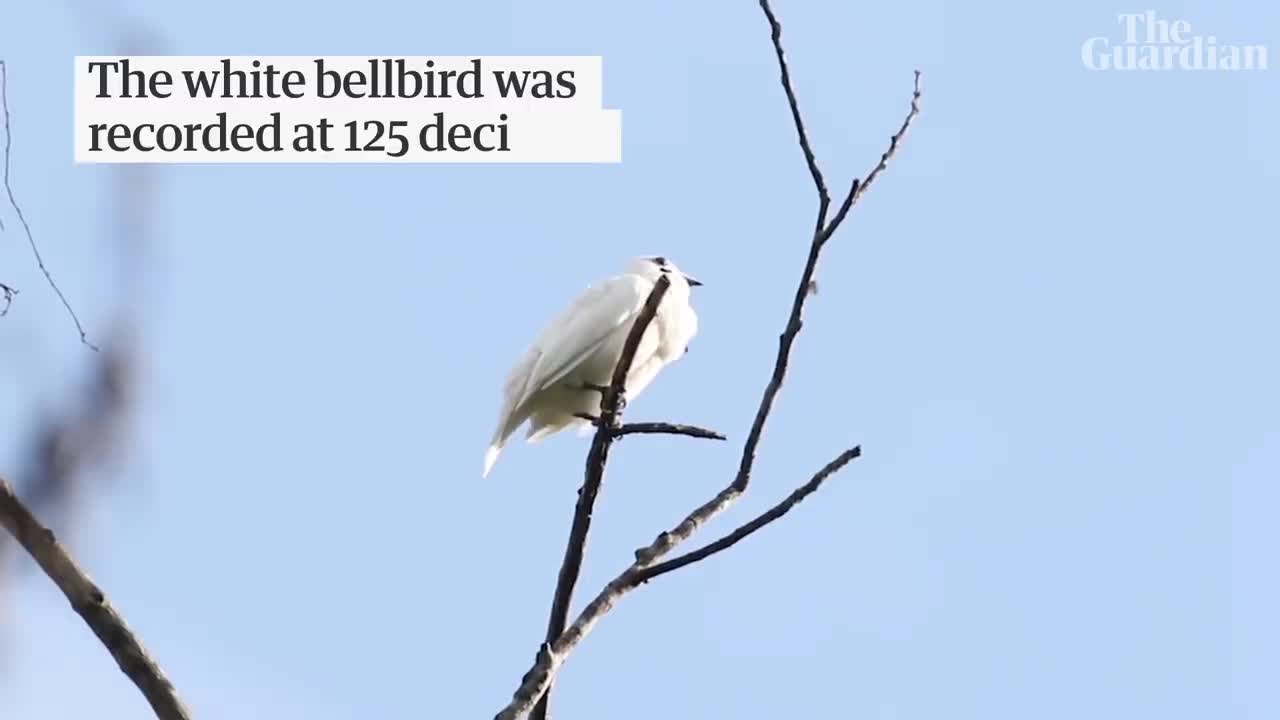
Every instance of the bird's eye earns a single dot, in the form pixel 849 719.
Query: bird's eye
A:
pixel 659 260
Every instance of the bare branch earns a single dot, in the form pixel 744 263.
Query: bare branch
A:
pixel 656 428
pixel 35 250
pixel 794 321
pixel 6 294
pixel 646 574
pixel 662 428
pixel 92 605
pixel 775 28
pixel 860 186
pixel 611 401
pixel 552 655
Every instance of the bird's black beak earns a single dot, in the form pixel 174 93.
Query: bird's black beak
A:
pixel 693 282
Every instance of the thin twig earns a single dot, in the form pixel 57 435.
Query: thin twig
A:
pixel 611 401
pixel 656 428
pixel 92 605
pixel 7 293
pixel 646 574
pixel 860 186
pixel 775 33
pixel 821 231
pixel 35 250
pixel 662 428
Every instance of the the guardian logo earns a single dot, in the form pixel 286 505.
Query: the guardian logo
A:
pixel 1153 43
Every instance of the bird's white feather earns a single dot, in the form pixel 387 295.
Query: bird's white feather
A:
pixel 588 323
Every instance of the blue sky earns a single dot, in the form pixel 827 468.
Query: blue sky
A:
pixel 1051 326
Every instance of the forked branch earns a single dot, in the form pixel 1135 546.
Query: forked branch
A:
pixel 645 574
pixel 556 648
pixel 608 429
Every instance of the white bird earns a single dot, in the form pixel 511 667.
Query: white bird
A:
pixel 554 382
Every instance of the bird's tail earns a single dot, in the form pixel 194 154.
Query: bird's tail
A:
pixel 500 439
pixel 545 424
pixel 491 457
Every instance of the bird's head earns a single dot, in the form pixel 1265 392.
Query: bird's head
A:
pixel 656 266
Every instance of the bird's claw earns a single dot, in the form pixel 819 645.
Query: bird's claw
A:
pixel 604 391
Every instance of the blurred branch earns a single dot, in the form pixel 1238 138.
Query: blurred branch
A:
pixel 551 655
pixel 90 429
pixel 92 605
pixel 63 447
pixel 8 188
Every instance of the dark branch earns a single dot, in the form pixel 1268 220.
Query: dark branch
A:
pixel 794 321
pixel 92 605
pixel 861 186
pixel 770 515
pixel 655 428
pixel 551 655
pixel 775 28
pixel 8 188
pixel 597 458
pixel 7 294
pixel 661 428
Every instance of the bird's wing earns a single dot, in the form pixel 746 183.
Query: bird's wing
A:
pixel 582 328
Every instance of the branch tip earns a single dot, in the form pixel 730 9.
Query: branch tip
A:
pixel 22 220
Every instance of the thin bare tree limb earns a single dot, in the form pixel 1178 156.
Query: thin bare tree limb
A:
pixel 662 428
pixel 92 605
pixel 646 574
pixel 611 402
pixel 31 240
pixel 860 186
pixel 656 428
pixel 820 183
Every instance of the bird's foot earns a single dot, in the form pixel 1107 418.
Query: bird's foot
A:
pixel 604 390
pixel 589 418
